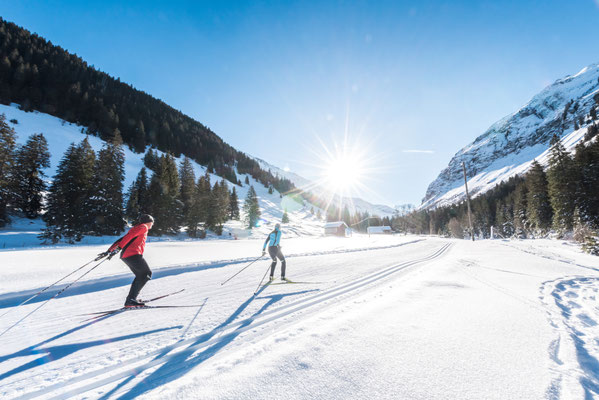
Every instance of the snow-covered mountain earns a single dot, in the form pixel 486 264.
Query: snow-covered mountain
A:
pixel 509 146
pixel 355 204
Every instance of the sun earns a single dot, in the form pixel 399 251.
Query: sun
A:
pixel 343 173
pixel 344 168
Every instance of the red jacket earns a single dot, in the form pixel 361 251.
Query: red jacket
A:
pixel 133 243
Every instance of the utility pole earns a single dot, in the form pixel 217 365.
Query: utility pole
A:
pixel 468 197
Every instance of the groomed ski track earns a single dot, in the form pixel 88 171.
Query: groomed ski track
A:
pixel 343 284
pixel 227 333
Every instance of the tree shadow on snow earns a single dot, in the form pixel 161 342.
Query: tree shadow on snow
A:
pixel 53 353
pixel 185 360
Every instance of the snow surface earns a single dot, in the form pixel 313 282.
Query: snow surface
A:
pixel 388 317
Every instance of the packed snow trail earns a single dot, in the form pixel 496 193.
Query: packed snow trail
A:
pixel 426 319
pixel 229 329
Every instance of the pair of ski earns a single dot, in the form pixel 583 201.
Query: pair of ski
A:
pixel 100 314
pixel 287 281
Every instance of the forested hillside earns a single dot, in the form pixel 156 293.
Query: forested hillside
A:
pixel 41 76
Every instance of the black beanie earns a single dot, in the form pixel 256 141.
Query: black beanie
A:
pixel 145 218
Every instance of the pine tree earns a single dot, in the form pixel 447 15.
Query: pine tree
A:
pixel 68 212
pixel 586 163
pixel 187 194
pixel 499 218
pixel 233 205
pixel 520 217
pixel 7 158
pixel 251 208
pixel 538 206
pixel 482 216
pixel 28 176
pixel 164 192
pixel 247 180
pixel 106 201
pixel 138 201
pixel 224 201
pixel 561 185
pixel 151 160
pixel 212 212
pixel 285 218
pixel 218 211
pixel 199 213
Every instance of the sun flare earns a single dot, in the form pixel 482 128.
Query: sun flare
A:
pixel 343 173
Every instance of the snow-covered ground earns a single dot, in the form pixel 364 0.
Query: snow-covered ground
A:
pixel 387 317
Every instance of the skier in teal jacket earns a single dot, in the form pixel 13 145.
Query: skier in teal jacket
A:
pixel 274 250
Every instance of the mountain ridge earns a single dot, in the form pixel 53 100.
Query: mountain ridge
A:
pixel 518 138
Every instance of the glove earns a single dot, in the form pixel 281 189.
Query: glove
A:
pixel 102 255
pixel 113 253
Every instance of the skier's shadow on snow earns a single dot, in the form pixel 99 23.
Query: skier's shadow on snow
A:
pixel 53 353
pixel 184 361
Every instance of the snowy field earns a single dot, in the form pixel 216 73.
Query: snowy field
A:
pixel 393 317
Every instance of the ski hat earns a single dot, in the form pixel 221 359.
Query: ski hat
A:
pixel 278 226
pixel 146 218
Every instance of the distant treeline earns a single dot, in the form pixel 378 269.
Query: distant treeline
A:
pixel 561 200
pixel 41 76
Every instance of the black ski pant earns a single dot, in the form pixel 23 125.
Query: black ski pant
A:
pixel 140 268
pixel 275 252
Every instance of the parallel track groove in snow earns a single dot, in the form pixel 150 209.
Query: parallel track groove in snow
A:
pixel 12 299
pixel 224 333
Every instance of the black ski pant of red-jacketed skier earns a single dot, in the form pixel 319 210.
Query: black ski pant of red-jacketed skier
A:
pixel 143 274
pixel 275 252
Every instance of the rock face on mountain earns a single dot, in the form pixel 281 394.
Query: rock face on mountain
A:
pixel 518 138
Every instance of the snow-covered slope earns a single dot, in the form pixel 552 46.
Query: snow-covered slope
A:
pixel 354 204
pixel 60 134
pixel 508 146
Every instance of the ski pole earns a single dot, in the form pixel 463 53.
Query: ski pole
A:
pixel 260 284
pixel 241 270
pixel 53 297
pixel 52 285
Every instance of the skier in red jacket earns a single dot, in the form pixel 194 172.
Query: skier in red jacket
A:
pixel 132 247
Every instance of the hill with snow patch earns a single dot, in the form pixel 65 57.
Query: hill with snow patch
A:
pixel 60 134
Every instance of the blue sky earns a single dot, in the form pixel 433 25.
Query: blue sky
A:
pixel 280 79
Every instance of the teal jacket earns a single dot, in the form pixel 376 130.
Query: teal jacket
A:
pixel 274 237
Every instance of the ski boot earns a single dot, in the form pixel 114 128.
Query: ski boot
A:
pixel 134 303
